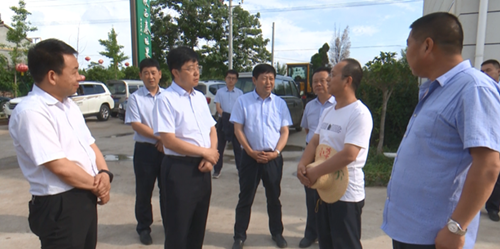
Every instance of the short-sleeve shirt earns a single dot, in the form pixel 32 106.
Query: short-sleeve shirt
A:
pixel 312 113
pixel 227 98
pixel 185 114
pixel 351 124
pixel 457 111
pixel 45 129
pixel 262 119
pixel 140 109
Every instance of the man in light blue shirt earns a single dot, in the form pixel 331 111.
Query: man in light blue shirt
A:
pixel 448 160
pixel 224 101
pixel 310 120
pixel 148 149
pixel 261 121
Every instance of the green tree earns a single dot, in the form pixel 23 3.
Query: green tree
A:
pixel 320 59
pixel 113 51
pixel 97 72
pixel 280 68
pixel 18 36
pixel 131 73
pixel 340 45
pixel 6 77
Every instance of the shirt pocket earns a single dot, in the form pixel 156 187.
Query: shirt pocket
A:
pixel 274 119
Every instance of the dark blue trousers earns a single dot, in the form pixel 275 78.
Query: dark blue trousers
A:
pixel 311 231
pixel 493 203
pixel 400 245
pixel 221 144
pixel 339 225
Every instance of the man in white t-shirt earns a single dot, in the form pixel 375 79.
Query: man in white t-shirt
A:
pixel 346 127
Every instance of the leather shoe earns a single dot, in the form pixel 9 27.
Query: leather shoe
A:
pixel 305 242
pixel 238 244
pixel 145 237
pixel 494 216
pixel 280 241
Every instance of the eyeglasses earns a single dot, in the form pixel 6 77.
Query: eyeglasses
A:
pixel 231 78
pixel 192 69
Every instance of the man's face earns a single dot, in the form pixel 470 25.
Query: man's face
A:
pixel 264 84
pixel 413 55
pixel 231 80
pixel 189 75
pixel 335 82
pixel 491 71
pixel 320 82
pixel 150 76
pixel 67 82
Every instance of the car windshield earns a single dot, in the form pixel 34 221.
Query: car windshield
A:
pixel 202 88
pixel 117 88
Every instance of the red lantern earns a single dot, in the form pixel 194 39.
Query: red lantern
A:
pixel 100 61
pixel 22 68
pixel 127 64
pixel 87 58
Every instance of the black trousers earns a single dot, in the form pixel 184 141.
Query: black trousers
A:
pixel 311 231
pixel 493 203
pixel 147 166
pixel 221 146
pixel 400 245
pixel 187 199
pixel 250 175
pixel 339 225
pixel 65 220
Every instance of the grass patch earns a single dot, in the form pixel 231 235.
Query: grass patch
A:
pixel 377 169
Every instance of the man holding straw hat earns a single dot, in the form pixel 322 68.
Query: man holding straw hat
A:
pixel 339 149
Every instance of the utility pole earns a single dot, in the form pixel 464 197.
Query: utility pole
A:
pixel 272 49
pixel 230 34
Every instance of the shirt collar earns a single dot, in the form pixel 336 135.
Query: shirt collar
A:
pixel 181 90
pixel 227 89
pixel 445 78
pixel 256 96
pixel 46 97
pixel 144 91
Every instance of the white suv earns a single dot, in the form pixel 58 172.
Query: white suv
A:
pixel 209 89
pixel 93 99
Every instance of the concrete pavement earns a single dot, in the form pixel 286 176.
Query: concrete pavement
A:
pixel 117 220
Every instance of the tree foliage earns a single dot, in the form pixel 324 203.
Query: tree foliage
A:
pixel 113 51
pixel 280 68
pixel 320 59
pixel 340 45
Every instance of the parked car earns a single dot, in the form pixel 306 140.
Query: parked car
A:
pixel 3 100
pixel 285 88
pixel 209 89
pixel 121 90
pixel 122 109
pixel 93 99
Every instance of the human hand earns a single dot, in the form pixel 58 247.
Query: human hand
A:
pixel 448 240
pixel 311 176
pixel 159 146
pixel 211 155
pixel 301 175
pixel 270 155
pixel 103 200
pixel 101 185
pixel 205 166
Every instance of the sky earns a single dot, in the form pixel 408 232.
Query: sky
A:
pixel 301 26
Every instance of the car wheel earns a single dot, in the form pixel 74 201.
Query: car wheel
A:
pixel 104 113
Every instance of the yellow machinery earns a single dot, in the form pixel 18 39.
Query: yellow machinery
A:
pixel 301 74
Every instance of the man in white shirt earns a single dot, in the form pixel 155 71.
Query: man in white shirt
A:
pixel 346 127
pixel 182 119
pixel 57 154
pixel 148 149
pixel 310 120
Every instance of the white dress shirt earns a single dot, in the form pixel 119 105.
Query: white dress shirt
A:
pixel 44 130
pixel 140 109
pixel 185 114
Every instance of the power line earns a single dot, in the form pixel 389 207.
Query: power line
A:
pixel 334 6
pixel 75 4
pixel 90 22
pixel 358 47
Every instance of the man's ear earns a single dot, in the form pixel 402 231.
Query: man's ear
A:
pixel 52 77
pixel 175 74
pixel 428 45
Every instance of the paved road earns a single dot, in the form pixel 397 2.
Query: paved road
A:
pixel 117 221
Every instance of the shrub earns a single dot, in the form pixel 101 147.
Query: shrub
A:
pixel 377 169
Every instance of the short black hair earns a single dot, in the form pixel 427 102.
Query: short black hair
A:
pixel 47 55
pixel 443 28
pixel 232 71
pixel 149 62
pixel 177 57
pixel 262 69
pixel 354 70
pixel 492 62
pixel 322 69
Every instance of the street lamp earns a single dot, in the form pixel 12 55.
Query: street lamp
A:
pixel 230 54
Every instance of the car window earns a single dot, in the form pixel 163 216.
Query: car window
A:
pixel 295 91
pixel 79 91
pixel 88 89
pixel 279 88
pixel 288 88
pixel 202 88
pixel 99 89
pixel 117 88
pixel 245 84
pixel 132 89
pixel 213 89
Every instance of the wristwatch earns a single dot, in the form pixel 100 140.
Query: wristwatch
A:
pixel 107 172
pixel 455 227
pixel 279 152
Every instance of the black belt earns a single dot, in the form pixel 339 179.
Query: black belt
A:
pixel 185 158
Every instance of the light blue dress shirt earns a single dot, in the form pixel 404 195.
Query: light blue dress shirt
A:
pixel 140 109
pixel 185 114
pixel 262 119
pixel 227 98
pixel 313 111
pixel 457 111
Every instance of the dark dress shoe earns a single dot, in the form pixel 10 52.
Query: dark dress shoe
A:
pixel 145 237
pixel 494 216
pixel 238 244
pixel 280 241
pixel 305 242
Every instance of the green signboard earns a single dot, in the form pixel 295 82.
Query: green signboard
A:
pixel 143 29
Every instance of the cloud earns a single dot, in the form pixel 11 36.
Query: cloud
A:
pixel 364 30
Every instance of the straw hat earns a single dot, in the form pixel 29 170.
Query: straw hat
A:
pixel 332 186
